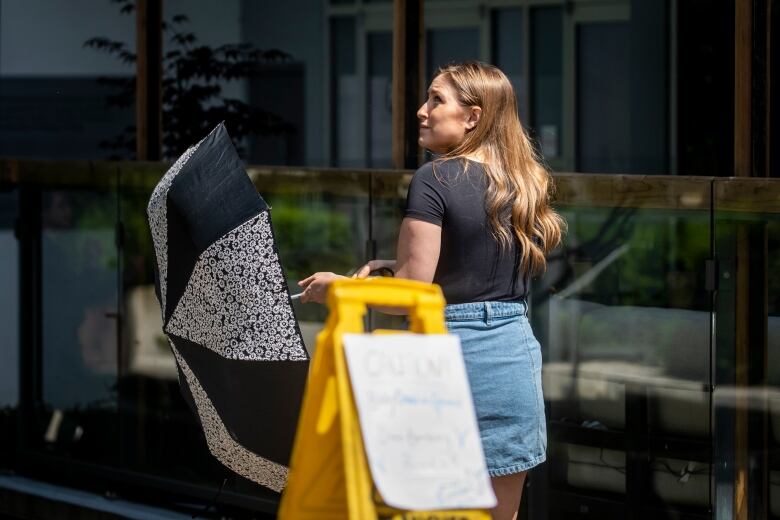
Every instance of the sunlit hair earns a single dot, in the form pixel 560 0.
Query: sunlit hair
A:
pixel 517 180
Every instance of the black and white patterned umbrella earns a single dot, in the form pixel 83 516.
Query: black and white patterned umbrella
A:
pixel 226 309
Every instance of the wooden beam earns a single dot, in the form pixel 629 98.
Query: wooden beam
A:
pixel 752 158
pixel 773 88
pixel 768 88
pixel 148 80
pixel 408 45
pixel 743 85
pixel 743 44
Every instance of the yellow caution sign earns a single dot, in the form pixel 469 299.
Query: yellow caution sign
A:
pixel 329 474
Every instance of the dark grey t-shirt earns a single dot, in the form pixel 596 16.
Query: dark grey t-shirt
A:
pixel 472 266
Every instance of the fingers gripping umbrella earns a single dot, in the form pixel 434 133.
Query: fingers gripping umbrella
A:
pixel 226 309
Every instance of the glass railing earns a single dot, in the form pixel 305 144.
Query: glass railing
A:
pixel 659 353
pixel 746 331
pixel 624 315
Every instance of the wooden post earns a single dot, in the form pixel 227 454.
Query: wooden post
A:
pixel 773 89
pixel 768 21
pixel 752 123
pixel 148 80
pixel 408 45
pixel 743 43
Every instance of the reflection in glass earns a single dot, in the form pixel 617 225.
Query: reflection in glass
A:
pixel 603 98
pixel 346 143
pixel 508 51
pixel 547 79
pixel 747 335
pixel 79 320
pixel 388 201
pixel 380 108
pixel 624 318
pixel 449 45
pixel 54 89
pixel 773 351
pixel 9 302
pixel 159 434
pixel 705 82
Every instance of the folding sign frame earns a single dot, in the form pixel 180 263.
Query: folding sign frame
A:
pixel 329 474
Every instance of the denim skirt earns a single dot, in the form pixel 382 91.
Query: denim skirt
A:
pixel 504 366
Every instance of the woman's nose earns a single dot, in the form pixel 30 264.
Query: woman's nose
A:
pixel 421 112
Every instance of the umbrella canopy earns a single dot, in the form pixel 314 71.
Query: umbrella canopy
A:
pixel 226 309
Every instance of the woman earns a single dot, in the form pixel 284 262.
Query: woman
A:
pixel 478 223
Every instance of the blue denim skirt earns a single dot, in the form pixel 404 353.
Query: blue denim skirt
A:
pixel 504 366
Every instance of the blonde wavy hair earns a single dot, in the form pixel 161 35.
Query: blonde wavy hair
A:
pixel 516 178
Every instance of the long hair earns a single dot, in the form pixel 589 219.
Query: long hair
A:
pixel 519 187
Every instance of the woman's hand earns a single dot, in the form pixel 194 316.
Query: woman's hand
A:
pixel 316 286
pixel 373 265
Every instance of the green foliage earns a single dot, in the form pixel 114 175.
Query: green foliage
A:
pixel 311 239
pixel 661 267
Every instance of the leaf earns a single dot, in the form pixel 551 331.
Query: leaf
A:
pixel 183 38
pixel 127 56
pixel 104 44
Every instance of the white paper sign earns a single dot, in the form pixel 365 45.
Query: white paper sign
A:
pixel 418 421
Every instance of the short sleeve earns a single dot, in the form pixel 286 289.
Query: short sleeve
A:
pixel 426 198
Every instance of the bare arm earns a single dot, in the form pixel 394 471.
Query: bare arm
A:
pixel 419 245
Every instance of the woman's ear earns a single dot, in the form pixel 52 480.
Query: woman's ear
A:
pixel 474 114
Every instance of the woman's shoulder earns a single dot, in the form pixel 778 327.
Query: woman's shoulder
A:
pixel 446 168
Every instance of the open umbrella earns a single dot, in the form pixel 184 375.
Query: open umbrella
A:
pixel 226 309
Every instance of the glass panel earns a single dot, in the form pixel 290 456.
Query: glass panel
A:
pixel 159 435
pixel 346 142
pixel 264 80
pixel 547 79
pixel 508 51
pixel 388 202
pixel 624 314
pixel 447 45
pixel 55 91
pixel 320 225
pixel 79 323
pixel 9 303
pixel 380 93
pixel 603 94
pixel 648 76
pixel 624 317
pixel 9 326
pixel 747 335
pixel 772 221
pixel 288 92
pixel 705 83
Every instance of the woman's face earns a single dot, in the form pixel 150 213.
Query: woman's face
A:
pixel 443 121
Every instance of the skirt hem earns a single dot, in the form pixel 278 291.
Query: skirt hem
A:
pixel 516 468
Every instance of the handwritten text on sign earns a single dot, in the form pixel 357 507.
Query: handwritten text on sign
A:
pixel 418 421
